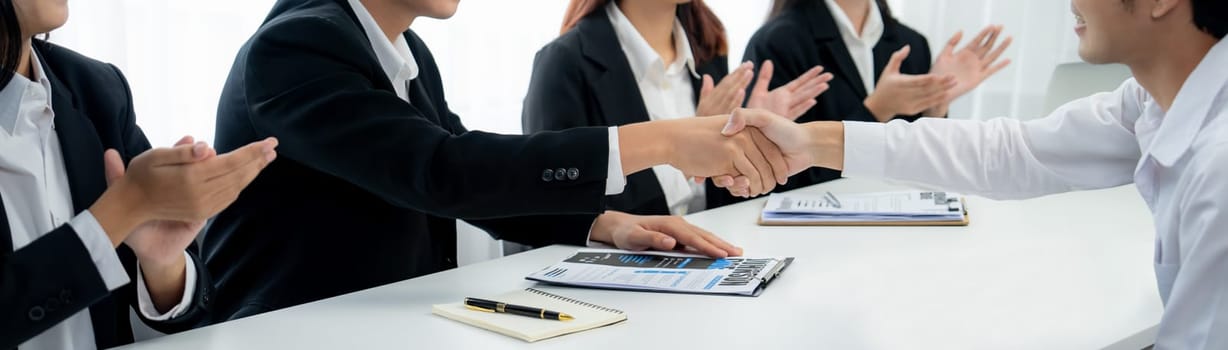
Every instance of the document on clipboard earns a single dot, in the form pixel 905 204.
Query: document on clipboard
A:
pixel 901 208
pixel 663 272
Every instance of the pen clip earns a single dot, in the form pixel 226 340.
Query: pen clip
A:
pixel 475 308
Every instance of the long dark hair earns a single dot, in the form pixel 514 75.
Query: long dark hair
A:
pixel 779 6
pixel 703 29
pixel 10 42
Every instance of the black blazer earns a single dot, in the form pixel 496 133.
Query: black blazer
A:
pixel 366 186
pixel 54 277
pixel 583 79
pixel 806 35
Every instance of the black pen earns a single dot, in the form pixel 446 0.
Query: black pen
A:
pixel 495 306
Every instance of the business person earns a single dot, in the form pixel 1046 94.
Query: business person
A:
pixel 882 67
pixel 1163 130
pixel 632 61
pixel 82 239
pixel 375 167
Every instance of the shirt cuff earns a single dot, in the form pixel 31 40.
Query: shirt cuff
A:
pixel 614 180
pixel 865 149
pixel 145 302
pixel 101 251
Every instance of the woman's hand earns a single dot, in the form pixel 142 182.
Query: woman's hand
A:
pixel 974 63
pixel 790 100
pixel 728 95
pixel 903 94
pixel 185 183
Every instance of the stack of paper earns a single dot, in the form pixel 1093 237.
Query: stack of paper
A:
pixel 884 208
pixel 663 272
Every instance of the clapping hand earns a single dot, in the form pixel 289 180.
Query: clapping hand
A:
pixel 790 100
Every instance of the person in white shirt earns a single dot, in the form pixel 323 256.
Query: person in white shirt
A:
pixel 82 239
pixel 1164 130
pixel 651 60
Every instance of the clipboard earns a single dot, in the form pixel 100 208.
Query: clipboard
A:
pixel 963 222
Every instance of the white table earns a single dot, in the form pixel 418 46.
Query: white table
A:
pixel 1070 271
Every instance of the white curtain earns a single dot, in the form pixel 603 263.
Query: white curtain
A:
pixel 176 54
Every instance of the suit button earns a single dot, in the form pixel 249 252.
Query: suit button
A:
pixel 36 314
pixel 204 300
pixel 560 174
pixel 573 174
pixel 66 297
pixel 547 175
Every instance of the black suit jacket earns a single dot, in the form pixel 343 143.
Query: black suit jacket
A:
pixel 806 35
pixel 54 277
pixel 366 186
pixel 583 79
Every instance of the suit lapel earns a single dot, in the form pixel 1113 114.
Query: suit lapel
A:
pixel 80 145
pixel 617 94
pixel 887 45
pixel 82 151
pixel 824 30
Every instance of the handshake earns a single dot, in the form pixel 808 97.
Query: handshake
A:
pixel 749 152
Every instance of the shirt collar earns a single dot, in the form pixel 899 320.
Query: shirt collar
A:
pixel 394 57
pixel 871 31
pixel 1181 124
pixel 640 55
pixel 14 94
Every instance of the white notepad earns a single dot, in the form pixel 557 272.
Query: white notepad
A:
pixel 587 315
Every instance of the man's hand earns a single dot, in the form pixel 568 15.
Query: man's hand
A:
pixel 802 145
pixel 635 232
pixel 696 147
pixel 790 100
pixel 903 94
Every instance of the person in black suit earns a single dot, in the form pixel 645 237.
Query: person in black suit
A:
pixel 882 66
pixel 82 239
pixel 625 62
pixel 375 167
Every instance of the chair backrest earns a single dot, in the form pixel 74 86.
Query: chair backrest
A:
pixel 1072 81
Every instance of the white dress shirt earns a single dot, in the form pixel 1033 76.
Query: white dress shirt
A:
pixel 860 44
pixel 399 64
pixel 37 201
pixel 1178 160
pixel 667 94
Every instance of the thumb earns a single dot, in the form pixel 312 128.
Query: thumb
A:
pixel 737 122
pixel 113 166
pixel 897 58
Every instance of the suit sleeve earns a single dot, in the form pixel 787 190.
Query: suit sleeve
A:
pixel 540 231
pixel 336 121
pixel 44 283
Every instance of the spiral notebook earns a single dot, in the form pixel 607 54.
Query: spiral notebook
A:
pixel 587 315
